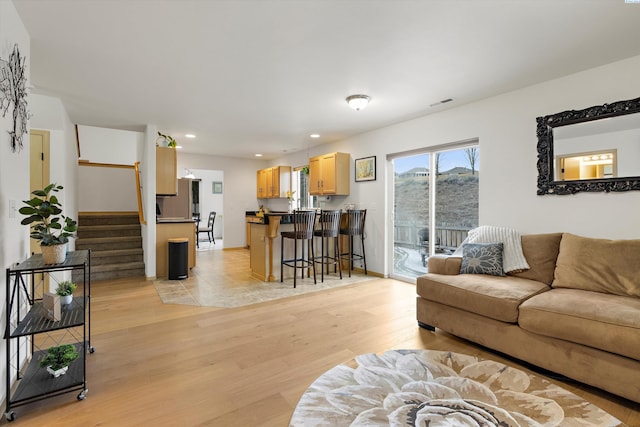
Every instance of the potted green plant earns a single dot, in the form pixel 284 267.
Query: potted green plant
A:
pixel 65 291
pixel 48 224
pixel 166 140
pixel 58 358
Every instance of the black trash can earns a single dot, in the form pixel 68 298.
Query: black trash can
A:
pixel 178 258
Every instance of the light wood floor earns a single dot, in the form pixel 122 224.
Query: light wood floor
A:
pixel 177 365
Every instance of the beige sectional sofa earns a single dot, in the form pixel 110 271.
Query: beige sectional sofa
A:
pixel 575 311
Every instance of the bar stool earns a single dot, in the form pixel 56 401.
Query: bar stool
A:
pixel 353 225
pixel 303 223
pixel 329 221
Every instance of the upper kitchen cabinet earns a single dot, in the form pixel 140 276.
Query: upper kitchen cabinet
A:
pixel 329 174
pixel 273 182
pixel 166 171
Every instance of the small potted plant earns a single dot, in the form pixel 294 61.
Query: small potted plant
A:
pixel 58 358
pixel 65 290
pixel 166 140
pixel 48 224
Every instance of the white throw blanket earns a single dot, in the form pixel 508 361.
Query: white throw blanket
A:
pixel 512 258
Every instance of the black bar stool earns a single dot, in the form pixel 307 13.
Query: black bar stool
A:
pixel 353 225
pixel 329 222
pixel 303 224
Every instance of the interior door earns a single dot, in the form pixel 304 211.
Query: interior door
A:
pixel 38 167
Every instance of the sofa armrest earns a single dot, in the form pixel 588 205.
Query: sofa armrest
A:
pixel 444 264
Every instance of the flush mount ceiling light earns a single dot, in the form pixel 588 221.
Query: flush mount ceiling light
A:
pixel 358 102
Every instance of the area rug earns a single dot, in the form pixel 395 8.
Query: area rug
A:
pixel 438 388
pixel 220 293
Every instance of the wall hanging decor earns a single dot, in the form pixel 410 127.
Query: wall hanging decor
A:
pixel 13 92
pixel 366 169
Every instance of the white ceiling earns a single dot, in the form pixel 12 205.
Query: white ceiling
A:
pixel 250 76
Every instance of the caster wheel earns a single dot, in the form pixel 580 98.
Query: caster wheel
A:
pixel 10 416
pixel 83 394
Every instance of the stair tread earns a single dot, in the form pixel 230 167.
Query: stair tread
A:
pixel 116 267
pixel 110 226
pixel 107 239
pixel 116 252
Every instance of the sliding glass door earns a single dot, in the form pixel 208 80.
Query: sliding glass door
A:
pixel 435 195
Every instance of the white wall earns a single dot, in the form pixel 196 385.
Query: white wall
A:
pixel 107 189
pixel 113 146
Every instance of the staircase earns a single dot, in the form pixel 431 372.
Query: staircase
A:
pixel 115 241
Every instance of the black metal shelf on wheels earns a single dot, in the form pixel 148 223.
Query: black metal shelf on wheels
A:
pixel 29 332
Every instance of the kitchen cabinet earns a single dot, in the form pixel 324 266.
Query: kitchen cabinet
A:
pixel 329 174
pixel 261 184
pixel 273 182
pixel 166 171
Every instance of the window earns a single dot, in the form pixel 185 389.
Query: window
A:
pixel 435 194
pixel 300 187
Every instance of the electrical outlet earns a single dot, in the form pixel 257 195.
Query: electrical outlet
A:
pixel 12 209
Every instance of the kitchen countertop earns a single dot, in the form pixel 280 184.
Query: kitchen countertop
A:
pixel 285 217
pixel 173 220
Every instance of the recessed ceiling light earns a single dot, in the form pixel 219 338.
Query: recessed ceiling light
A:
pixel 315 135
pixel 189 135
pixel 258 155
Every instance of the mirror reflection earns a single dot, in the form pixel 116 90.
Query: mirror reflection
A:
pixel 605 148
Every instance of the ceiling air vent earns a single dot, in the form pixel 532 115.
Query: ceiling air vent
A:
pixel 444 101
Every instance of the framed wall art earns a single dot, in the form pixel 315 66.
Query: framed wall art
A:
pixel 366 169
pixel 217 187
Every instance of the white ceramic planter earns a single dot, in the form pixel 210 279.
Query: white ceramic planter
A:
pixel 66 300
pixel 57 373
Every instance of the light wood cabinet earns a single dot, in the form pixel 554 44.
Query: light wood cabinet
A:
pixel 273 182
pixel 166 171
pixel 329 174
pixel 261 187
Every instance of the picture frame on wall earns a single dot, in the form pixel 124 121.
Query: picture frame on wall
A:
pixel 365 169
pixel 217 187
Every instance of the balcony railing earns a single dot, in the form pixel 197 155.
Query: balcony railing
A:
pixel 448 237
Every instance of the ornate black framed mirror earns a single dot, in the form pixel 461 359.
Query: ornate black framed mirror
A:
pixel 595 149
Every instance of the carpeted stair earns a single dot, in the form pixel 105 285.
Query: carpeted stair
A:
pixel 115 241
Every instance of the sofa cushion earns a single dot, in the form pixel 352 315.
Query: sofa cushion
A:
pixel 490 296
pixel 603 321
pixel 482 258
pixel 541 252
pixel 598 265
